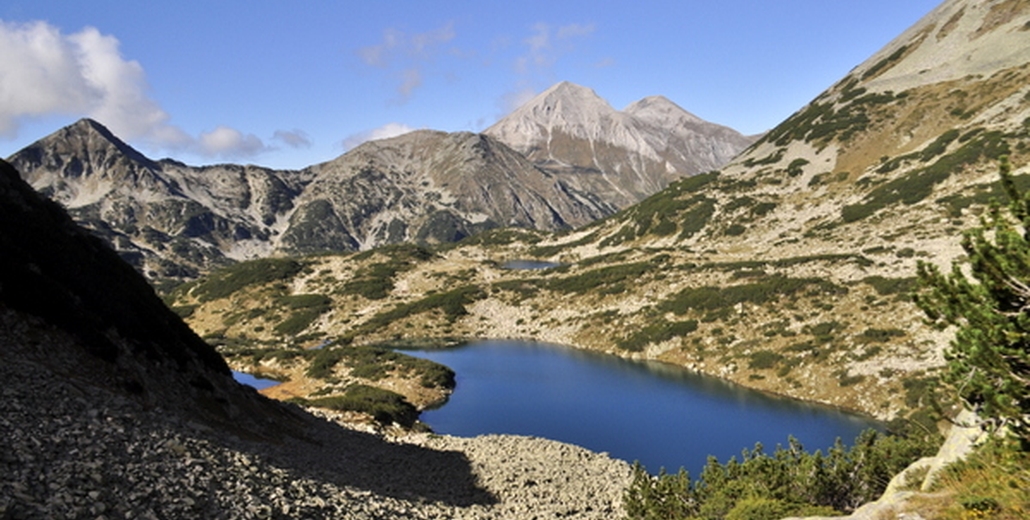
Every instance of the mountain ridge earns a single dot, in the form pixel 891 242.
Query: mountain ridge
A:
pixel 172 220
pixel 175 221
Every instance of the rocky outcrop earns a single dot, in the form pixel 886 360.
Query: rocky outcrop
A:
pixel 167 219
pixel 623 157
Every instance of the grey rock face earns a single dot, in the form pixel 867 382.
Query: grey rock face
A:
pixel 165 218
pixel 434 187
pixel 622 157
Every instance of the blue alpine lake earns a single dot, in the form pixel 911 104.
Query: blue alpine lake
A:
pixel 254 382
pixel 658 414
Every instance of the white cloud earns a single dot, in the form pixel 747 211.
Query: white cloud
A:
pixel 383 132
pixel 407 55
pixel 411 80
pixel 229 142
pixel 574 30
pixel 544 45
pixel 293 138
pixel 84 74
pixel 516 98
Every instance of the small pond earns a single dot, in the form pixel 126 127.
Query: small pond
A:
pixel 256 382
pixel 658 414
pixel 529 264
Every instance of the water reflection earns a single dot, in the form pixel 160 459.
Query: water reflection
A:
pixel 658 414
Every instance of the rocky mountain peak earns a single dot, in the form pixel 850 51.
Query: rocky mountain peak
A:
pixel 570 130
pixel 565 107
pixel 88 137
pixel 570 96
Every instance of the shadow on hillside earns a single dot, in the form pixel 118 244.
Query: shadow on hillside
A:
pixel 57 279
pixel 344 457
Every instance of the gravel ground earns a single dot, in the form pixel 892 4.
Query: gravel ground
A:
pixel 72 449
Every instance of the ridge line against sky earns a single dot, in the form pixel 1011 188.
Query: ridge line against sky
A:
pixel 271 83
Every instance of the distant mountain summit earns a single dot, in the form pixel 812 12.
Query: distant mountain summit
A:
pixel 622 156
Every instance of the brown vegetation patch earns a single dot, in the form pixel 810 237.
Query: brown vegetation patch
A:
pixel 950 24
pixel 1001 14
pixel 924 114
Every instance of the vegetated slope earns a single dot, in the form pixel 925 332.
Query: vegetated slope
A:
pixel 788 270
pixel 113 407
pixel 176 221
pixel 622 157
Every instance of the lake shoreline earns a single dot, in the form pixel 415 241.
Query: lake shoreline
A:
pixel 622 406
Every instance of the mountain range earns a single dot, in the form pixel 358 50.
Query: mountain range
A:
pixel 176 221
pixel 788 270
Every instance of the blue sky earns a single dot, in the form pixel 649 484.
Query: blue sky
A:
pixel 289 84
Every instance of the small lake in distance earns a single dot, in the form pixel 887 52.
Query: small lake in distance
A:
pixel 254 382
pixel 658 414
pixel 529 264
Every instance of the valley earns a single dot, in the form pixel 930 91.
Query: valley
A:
pixel 786 263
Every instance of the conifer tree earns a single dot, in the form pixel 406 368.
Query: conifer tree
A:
pixel 989 358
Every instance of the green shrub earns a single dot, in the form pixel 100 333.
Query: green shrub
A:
pixel 849 380
pixel 184 311
pixel 696 218
pixel 939 145
pixel 306 308
pixel 385 406
pixel 711 298
pixel 794 169
pixel 657 332
pixel 763 208
pixel 604 276
pixel 451 303
pixel 791 481
pixel 872 335
pixel 227 281
pixel 764 359
pixel 755 508
pixel 735 230
pixel 772 158
pixel 374 363
pixel 916 185
pixel 891 286
pixel 885 63
pixel 324 361
pixel 298 321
